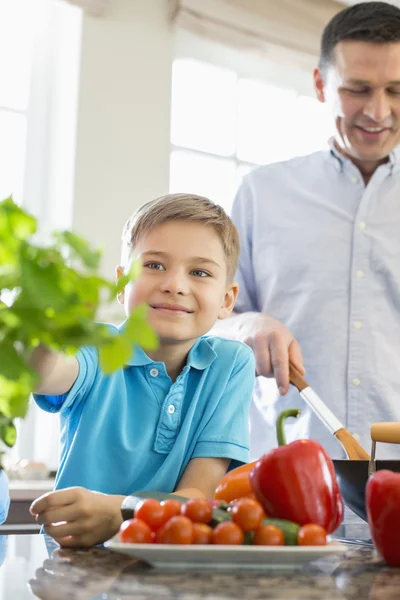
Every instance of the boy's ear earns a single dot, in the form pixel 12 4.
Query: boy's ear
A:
pixel 229 300
pixel 119 271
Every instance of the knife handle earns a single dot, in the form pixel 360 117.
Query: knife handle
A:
pixel 388 433
pixel 296 378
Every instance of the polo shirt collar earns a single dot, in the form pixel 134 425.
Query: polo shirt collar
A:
pixel 200 356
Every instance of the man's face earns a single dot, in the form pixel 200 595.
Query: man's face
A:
pixel 363 87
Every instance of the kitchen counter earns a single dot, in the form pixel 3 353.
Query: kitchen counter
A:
pixel 34 567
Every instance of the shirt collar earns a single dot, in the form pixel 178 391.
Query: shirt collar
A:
pixel 394 156
pixel 200 356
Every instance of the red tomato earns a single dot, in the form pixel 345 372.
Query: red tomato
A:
pixel 172 508
pixel 197 510
pixel 178 530
pixel 151 512
pixel 135 531
pixel 247 513
pixel 269 535
pixel 202 533
pixel 312 535
pixel 227 533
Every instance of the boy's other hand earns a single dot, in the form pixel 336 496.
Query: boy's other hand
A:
pixel 273 346
pixel 77 517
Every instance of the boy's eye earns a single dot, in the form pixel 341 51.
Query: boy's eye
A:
pixel 200 273
pixel 155 266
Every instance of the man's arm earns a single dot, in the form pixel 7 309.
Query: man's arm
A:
pixel 201 477
pixel 57 372
pixel 272 343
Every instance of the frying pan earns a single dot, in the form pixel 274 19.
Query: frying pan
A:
pixel 352 475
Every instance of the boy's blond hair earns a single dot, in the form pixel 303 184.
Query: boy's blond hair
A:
pixel 188 208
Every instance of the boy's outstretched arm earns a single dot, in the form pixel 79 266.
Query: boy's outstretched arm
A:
pixel 57 372
pixel 201 477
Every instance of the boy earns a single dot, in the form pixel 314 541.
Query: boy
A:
pixel 174 419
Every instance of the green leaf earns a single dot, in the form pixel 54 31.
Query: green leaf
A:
pixel 16 221
pixel 8 432
pixel 115 354
pixel 139 331
pixel 80 248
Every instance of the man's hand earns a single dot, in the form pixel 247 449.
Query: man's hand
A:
pixel 274 346
pixel 77 517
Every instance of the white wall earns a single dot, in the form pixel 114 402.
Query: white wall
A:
pixel 123 127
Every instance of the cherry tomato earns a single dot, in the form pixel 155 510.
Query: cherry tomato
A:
pixel 247 513
pixel 312 535
pixel 177 530
pixel 172 508
pixel 269 535
pixel 202 533
pixel 151 512
pixel 227 533
pixel 197 510
pixel 135 531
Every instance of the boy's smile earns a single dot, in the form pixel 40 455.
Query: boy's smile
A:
pixel 183 281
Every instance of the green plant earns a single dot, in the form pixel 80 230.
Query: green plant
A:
pixel 51 295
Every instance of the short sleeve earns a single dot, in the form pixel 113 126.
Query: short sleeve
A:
pixel 242 216
pixel 88 361
pixel 226 435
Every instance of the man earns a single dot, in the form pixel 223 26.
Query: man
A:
pixel 320 246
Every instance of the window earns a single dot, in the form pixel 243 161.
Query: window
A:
pixel 16 50
pixel 223 125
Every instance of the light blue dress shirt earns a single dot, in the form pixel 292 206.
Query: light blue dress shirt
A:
pixel 135 429
pixel 320 251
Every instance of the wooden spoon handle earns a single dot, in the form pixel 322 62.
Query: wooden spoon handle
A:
pixel 388 433
pixel 296 378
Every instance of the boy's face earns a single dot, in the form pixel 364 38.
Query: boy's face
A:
pixel 183 281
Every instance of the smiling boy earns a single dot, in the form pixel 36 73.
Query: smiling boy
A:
pixel 174 419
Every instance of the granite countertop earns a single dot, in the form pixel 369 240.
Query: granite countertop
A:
pixel 33 568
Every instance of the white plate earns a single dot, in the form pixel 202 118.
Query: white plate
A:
pixel 221 557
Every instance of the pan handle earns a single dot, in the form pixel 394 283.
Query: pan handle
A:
pixel 296 378
pixel 388 433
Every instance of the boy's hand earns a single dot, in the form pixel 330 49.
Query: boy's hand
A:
pixel 77 517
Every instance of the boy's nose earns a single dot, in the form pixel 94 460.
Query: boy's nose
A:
pixel 174 283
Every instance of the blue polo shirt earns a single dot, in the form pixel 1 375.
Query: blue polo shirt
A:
pixel 136 430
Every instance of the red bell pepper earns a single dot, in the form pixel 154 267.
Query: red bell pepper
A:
pixel 298 482
pixel 382 496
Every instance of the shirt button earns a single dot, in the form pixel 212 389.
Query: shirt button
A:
pixel 171 409
pixel 154 372
pixel 354 179
pixel 359 274
pixel 362 225
pixel 356 381
pixel 358 324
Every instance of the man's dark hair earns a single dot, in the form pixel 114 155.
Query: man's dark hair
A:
pixel 375 22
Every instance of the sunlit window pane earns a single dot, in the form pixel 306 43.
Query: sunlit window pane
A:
pixel 17 29
pixel 205 175
pixel 265 116
pixel 203 107
pixel 12 154
pixel 313 126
